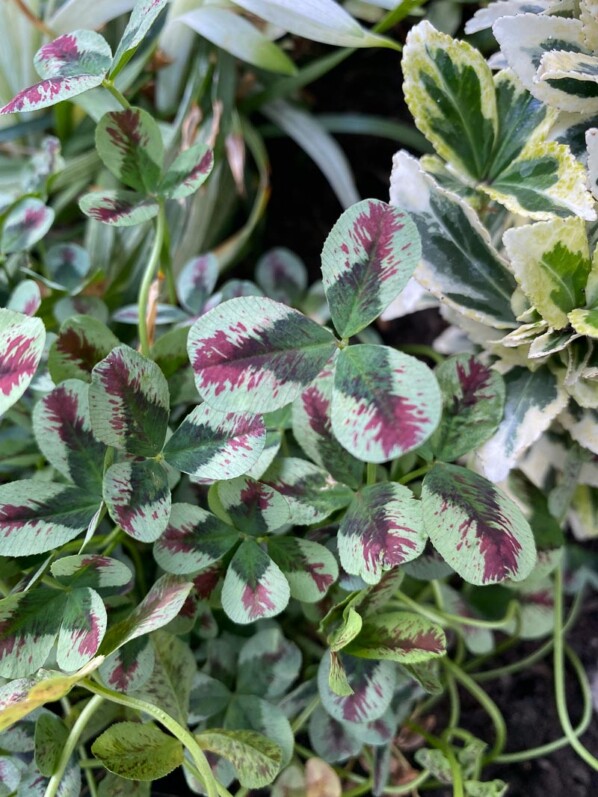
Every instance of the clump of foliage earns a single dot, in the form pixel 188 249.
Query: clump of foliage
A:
pixel 237 530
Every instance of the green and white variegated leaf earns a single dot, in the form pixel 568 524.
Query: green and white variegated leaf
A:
pixel 143 16
pixel 37 516
pixel 583 516
pixel 372 682
pixel 382 528
pixel 188 172
pixel 253 507
pixel 82 629
pixel 367 259
pixel 10 773
pixel 551 261
pixel 29 622
pixel 128 668
pixel 102 573
pixel 450 93
pixel 311 492
pixel 67 266
pixel 309 567
pixel 282 275
pixel 255 758
pixel 169 685
pixel 312 428
pixel 208 697
pixel 533 400
pixel 592 146
pixel 129 402
pixel 22 340
pixel 267 665
pixel 254 587
pixel 331 740
pixel 138 751
pixel 552 341
pixel 460 265
pixel 473 398
pixel 476 528
pixel 254 713
pixel 129 143
pixel 137 495
pixel 211 445
pixel 256 355
pixel 68 66
pixel 194 539
pixel 119 208
pixel 62 429
pixel 268 455
pixel 485 17
pixel 81 343
pixel 585 321
pixel 398 636
pixel 197 281
pixel 573 77
pixel 25 225
pixel 26 298
pixel 384 403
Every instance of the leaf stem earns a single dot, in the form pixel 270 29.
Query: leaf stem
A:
pixel 444 747
pixel 148 278
pixel 415 474
pixel 371 473
pixel 302 718
pixel 118 95
pixel 71 743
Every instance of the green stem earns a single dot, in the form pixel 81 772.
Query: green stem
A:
pixel 148 278
pixel 118 95
pixel 302 718
pixel 440 744
pixel 408 788
pixel 363 788
pixel 423 351
pixel 371 473
pixel 182 734
pixel 455 703
pixel 71 743
pixel 415 474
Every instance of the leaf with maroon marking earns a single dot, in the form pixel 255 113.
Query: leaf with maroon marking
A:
pixel 63 433
pixel 481 533
pixel 254 587
pixel 382 528
pixel 253 507
pixel 215 445
pixel 384 403
pixel 197 281
pixel 29 622
pixel 102 573
pixel 81 343
pixel 25 225
pixel 143 16
pixel 138 498
pixel 130 666
pixel 119 208
pixel 194 540
pixel 398 636
pixel 268 664
pixel 312 428
pixel 69 65
pixel 282 275
pixel 67 266
pixel 26 298
pixel 311 493
pixel 129 402
pixel 367 259
pixel 190 169
pixel 129 143
pixel 372 682
pixel 21 345
pixel 37 516
pixel 82 629
pixel 332 740
pixel 252 354
pixel 473 400
pixel 256 758
pixel 309 567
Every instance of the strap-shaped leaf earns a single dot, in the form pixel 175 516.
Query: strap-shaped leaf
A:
pixel 372 682
pixel 254 587
pixel 38 516
pixel 309 567
pixel 129 402
pixel 138 751
pixel 214 445
pixel 128 668
pixel 25 225
pixel 193 540
pixel 282 275
pixel 137 495
pixel 367 259
pixel 67 265
pixel 384 403
pixel 145 13
pixel 473 398
pixel 82 629
pixel 253 354
pixel 130 144
pixel 81 343
pixel 102 573
pixel 29 622
pixel 382 528
pixel 63 433
pixel 21 345
pixel 399 636
pixel 197 281
pixel 69 65
pixel 480 532
pixel 190 169
pixel 268 664
pixel 254 507
pixel 256 759
pixel 119 208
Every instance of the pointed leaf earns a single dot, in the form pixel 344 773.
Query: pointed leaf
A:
pixel 119 208
pixel 384 403
pixel 255 354
pixel 382 528
pixel 138 751
pixel 63 433
pixel 473 398
pixel 83 626
pixel 81 343
pixel 480 532
pixel 399 636
pixel 137 495
pixel 253 507
pixel 21 345
pixel 367 259
pixel 99 572
pixel 25 225
pixel 145 13
pixel 268 664
pixel 372 682
pixel 255 758
pixel 129 402
pixel 213 445
pixel 193 540
pixel 254 587
pixel 282 275
pixel 169 685
pixel 51 735
pixel 130 144
pixel 38 516
pixel 332 740
pixel 29 623
pixel 128 668
pixel 309 567
pixel 197 281
pixel 188 172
